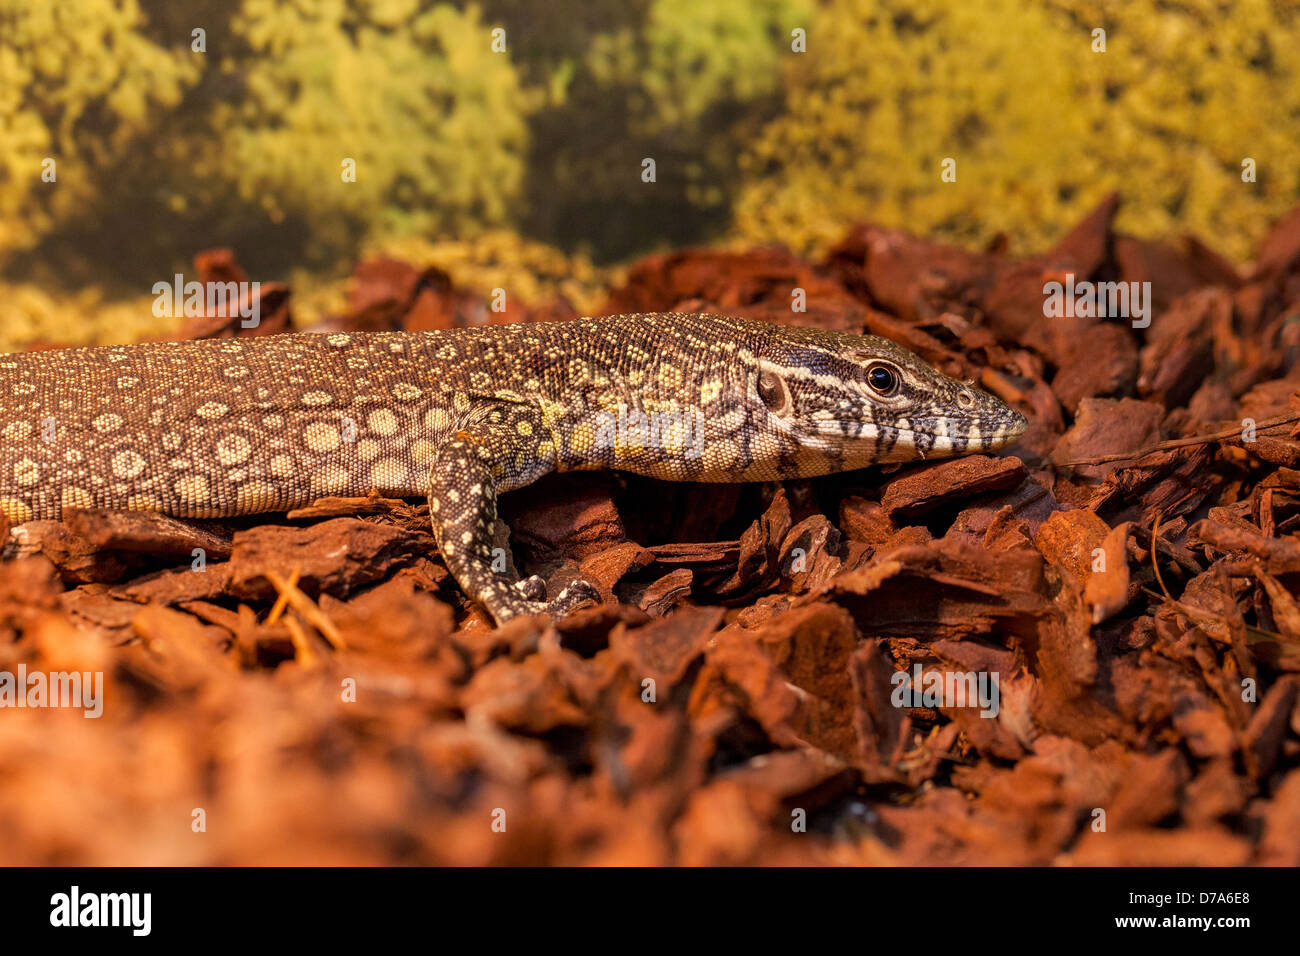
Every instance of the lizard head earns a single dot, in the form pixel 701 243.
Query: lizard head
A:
pixel 837 401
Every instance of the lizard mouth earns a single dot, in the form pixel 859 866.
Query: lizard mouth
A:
pixel 938 438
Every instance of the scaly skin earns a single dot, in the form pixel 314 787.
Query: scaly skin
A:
pixel 225 427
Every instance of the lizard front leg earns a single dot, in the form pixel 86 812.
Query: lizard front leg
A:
pixel 496 449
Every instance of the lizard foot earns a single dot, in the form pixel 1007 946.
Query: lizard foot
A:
pixel 577 594
pixel 533 588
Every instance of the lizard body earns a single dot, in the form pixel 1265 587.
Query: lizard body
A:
pixel 225 427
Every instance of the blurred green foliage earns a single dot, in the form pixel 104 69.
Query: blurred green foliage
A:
pixel 433 119
pixel 242 143
pixel 79 85
pixel 162 150
pixel 686 83
pixel 281 97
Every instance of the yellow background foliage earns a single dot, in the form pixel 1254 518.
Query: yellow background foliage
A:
pixel 522 167
pixel 1040 125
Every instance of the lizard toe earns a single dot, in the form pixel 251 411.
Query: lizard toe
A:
pixel 507 604
pixel 533 588
pixel 578 594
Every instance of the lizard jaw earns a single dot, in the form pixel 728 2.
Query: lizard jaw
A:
pixel 908 441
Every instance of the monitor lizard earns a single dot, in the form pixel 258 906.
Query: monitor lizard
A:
pixel 236 426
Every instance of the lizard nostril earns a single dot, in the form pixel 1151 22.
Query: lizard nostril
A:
pixel 966 400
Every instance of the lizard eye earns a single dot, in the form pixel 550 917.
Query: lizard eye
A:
pixel 883 379
pixel 772 390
